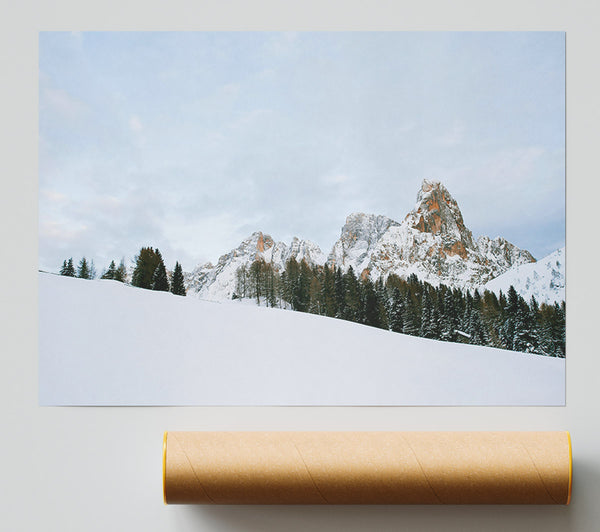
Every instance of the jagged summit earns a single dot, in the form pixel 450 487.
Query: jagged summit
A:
pixel 432 242
pixel 437 212
pixel 258 242
pixel 360 234
pixel 429 186
pixel 219 282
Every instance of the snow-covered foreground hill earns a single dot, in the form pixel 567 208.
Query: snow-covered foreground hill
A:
pixel 105 343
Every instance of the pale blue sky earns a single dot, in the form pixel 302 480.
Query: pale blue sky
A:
pixel 192 141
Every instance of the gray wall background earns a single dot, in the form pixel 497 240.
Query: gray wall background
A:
pixel 100 468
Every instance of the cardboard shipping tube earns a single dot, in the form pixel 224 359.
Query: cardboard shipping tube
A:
pixel 367 467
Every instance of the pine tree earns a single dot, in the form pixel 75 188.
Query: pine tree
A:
pixel 241 282
pixel 477 302
pixel 426 316
pixel 396 322
pixel 382 303
pixel 304 280
pixel 507 333
pixel 121 272
pixel 370 304
pixel 291 283
pixel 315 305
pixel 68 269
pixel 555 329
pixel 256 279
pixel 328 294
pixel 491 316
pixel 351 297
pixel 177 282
pixel 435 325
pixel 83 270
pixel 561 329
pixel 340 290
pixel 412 317
pixel 524 328
pixel 546 330
pixel 92 274
pixel 160 281
pixel 111 272
pixel 145 263
pixel 534 316
pixel 465 322
pixel 271 285
pixel 449 317
pixel 476 329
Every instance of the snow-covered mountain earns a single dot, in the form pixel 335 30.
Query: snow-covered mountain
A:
pixel 218 282
pixel 432 242
pixel 544 279
pixel 360 235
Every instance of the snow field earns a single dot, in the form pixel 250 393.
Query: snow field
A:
pixel 105 343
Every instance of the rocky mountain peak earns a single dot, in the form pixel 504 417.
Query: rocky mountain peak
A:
pixel 360 234
pixel 256 244
pixel 501 255
pixel 367 227
pixel 438 213
pixel 263 242
pixel 304 250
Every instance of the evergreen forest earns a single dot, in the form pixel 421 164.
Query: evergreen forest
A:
pixel 409 306
pixel 149 272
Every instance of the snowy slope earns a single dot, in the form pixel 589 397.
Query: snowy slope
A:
pixel 103 343
pixel 544 279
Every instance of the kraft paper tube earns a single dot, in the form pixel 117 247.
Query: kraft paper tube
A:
pixel 367 467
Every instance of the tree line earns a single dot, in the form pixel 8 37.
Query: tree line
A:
pixel 149 272
pixel 409 306
pixel 85 269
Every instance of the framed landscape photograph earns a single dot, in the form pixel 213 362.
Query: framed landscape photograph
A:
pixel 312 218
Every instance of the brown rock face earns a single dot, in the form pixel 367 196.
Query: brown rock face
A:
pixel 438 213
pixel 260 243
pixel 263 242
pixel 457 248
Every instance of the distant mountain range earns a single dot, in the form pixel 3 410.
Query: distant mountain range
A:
pixel 432 242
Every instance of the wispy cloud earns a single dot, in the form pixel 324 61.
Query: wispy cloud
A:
pixel 511 168
pixel 60 232
pixel 231 89
pixel 335 179
pixel 250 117
pixel 61 102
pixel 135 124
pixel 53 196
pixel 454 136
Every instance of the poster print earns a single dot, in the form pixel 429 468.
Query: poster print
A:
pixel 302 218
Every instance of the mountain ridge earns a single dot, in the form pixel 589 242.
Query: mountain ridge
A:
pixel 432 241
